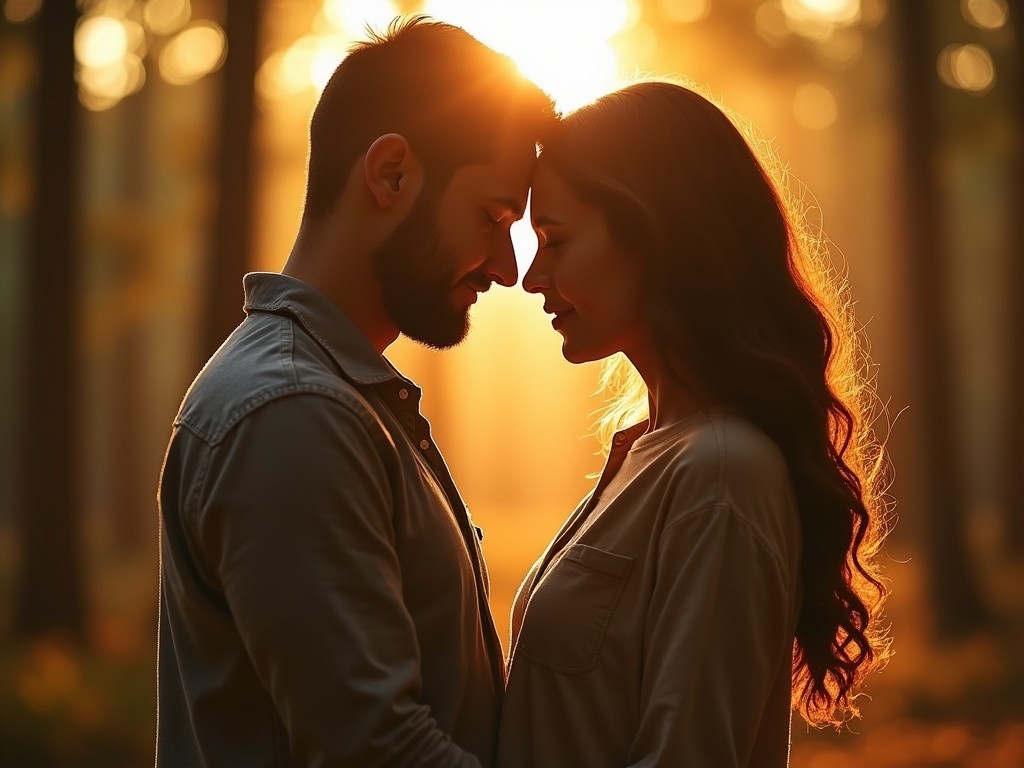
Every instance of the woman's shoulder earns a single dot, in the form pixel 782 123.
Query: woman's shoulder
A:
pixel 726 461
pixel 722 442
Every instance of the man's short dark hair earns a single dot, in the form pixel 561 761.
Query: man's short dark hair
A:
pixel 455 100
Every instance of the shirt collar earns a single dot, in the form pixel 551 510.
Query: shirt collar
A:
pixel 322 319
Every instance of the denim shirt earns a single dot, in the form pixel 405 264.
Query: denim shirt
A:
pixel 323 592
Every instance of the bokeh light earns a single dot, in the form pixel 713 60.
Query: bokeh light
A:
pixel 119 9
pixel 193 53
pixel 771 22
pixel 108 52
pixel 873 12
pixel 100 41
pixel 967 68
pixel 18 11
pixel 166 17
pixel 111 45
pixel 103 87
pixel 987 14
pixel 844 47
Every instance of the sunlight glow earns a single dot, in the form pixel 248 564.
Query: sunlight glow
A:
pixel 685 11
pixel 353 16
pixel 324 58
pixel 524 243
pixel 841 12
pixel 814 106
pixel 812 19
pixel 574 69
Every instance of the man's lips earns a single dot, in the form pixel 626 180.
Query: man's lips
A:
pixel 472 288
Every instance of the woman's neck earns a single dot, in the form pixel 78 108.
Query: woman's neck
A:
pixel 669 399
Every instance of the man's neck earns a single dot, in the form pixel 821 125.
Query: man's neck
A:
pixel 346 277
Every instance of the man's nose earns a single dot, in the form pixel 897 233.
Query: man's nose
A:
pixel 535 279
pixel 501 265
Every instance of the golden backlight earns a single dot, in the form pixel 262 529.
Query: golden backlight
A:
pixel 563 47
pixel 511 415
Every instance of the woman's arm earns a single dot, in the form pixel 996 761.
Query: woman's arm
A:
pixel 717 637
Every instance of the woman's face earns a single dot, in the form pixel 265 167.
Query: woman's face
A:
pixel 591 284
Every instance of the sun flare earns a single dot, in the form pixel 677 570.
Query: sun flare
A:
pixel 565 50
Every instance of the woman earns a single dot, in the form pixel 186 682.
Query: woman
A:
pixel 722 570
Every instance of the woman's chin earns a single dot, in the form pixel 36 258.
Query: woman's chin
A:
pixel 576 355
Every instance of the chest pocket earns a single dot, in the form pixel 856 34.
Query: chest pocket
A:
pixel 569 611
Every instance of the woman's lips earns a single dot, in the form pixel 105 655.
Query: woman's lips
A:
pixel 560 318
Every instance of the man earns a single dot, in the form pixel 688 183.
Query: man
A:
pixel 324 597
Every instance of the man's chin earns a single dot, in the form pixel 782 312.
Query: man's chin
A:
pixel 440 336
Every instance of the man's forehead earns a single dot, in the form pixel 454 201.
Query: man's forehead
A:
pixel 505 181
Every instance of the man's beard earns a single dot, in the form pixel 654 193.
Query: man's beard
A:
pixel 417 279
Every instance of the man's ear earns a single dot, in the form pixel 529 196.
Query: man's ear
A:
pixel 393 173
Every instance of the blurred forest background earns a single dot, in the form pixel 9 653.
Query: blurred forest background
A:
pixel 152 151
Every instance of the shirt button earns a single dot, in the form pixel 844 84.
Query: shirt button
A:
pixel 424 444
pixel 403 394
pixel 620 439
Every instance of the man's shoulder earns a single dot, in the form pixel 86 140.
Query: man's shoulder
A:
pixel 266 358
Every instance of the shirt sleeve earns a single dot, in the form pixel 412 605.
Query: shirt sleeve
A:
pixel 717 628
pixel 295 519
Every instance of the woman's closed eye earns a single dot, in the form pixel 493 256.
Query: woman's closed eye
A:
pixel 549 241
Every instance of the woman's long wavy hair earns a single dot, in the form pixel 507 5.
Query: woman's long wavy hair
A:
pixel 743 299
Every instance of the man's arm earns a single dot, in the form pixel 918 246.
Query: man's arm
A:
pixel 295 519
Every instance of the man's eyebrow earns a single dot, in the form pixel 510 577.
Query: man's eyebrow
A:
pixel 545 221
pixel 510 203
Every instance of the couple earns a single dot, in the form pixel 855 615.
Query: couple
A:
pixel 323 590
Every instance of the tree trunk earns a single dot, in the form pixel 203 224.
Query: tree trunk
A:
pixel 50 593
pixel 233 229
pixel 1012 470
pixel 956 598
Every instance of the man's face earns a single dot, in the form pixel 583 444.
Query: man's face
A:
pixel 451 247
